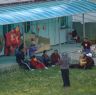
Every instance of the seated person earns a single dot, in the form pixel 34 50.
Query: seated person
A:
pixel 90 62
pixel 82 61
pixel 32 50
pixel 86 62
pixel 86 44
pixel 75 36
pixel 36 63
pixel 55 57
pixel 20 58
pixel 46 59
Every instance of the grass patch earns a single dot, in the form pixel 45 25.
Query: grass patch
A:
pixel 47 82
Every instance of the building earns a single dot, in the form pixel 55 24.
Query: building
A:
pixel 44 23
pixel 90 23
pixel 45 31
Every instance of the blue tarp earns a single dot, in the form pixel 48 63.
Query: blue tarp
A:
pixel 39 11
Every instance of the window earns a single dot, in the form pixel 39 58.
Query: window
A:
pixel 63 22
pixel 27 26
pixel 7 28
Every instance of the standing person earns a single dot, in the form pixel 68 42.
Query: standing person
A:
pixel 64 65
pixel 86 46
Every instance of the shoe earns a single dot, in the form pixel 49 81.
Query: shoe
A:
pixel 46 67
pixel 66 86
pixel 32 69
pixel 53 65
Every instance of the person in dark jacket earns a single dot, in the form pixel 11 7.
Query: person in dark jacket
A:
pixel 46 59
pixel 32 50
pixel 20 58
pixel 64 65
pixel 85 62
pixel 89 61
pixel 86 46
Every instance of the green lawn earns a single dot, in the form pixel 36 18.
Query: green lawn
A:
pixel 47 82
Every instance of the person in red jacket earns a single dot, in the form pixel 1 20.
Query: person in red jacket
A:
pixel 55 57
pixel 36 63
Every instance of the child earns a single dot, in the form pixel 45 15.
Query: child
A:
pixel 36 63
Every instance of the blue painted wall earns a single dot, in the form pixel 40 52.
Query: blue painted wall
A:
pixel 53 27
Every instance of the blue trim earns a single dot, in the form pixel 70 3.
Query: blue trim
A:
pixel 40 11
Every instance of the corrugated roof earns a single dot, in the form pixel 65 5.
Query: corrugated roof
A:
pixel 40 11
pixel 89 17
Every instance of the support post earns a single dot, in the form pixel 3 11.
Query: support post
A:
pixel 84 34
pixel 59 37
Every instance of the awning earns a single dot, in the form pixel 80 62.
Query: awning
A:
pixel 32 12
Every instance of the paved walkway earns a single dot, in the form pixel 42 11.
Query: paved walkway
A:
pixel 71 49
